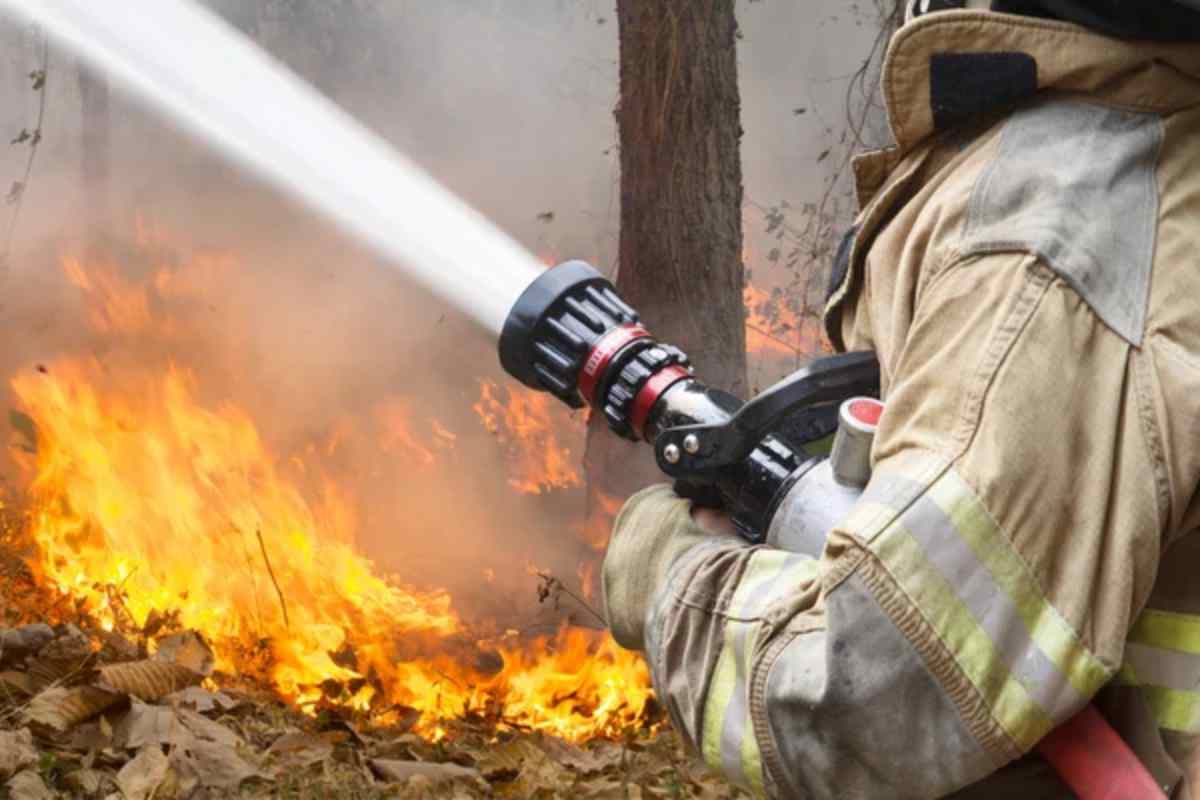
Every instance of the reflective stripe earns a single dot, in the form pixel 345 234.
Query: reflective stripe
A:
pixel 1154 666
pixel 1173 710
pixel 1162 658
pixel 1167 630
pixel 961 571
pixel 728 742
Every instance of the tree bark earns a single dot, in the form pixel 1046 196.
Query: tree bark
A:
pixel 680 261
pixel 681 180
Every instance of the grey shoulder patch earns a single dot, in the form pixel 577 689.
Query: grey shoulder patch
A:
pixel 1074 184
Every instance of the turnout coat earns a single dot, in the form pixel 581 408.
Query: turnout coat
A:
pixel 1026 266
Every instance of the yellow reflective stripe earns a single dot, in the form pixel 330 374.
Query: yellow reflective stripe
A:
pixel 1173 710
pixel 962 573
pixel 1126 676
pixel 1053 635
pixel 750 755
pixel 720 689
pixel 728 742
pixel 1167 630
pixel 974 651
pixel 1166 645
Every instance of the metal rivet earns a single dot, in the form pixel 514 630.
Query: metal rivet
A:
pixel 671 454
pixel 691 443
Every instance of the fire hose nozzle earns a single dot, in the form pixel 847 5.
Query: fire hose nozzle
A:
pixel 572 335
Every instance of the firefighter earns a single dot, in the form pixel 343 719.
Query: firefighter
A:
pixel 1026 267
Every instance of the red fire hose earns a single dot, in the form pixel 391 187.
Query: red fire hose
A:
pixel 1095 762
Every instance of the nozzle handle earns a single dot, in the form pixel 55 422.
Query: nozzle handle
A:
pixel 713 447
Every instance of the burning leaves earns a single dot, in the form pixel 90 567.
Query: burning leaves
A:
pixel 147 510
pixel 126 727
pixel 528 425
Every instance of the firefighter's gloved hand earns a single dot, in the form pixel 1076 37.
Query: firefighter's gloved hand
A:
pixel 653 529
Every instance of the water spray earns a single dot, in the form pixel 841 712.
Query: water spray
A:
pixel 218 85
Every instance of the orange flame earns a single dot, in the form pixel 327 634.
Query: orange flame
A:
pixel 143 499
pixel 529 427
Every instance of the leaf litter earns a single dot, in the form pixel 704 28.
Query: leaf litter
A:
pixel 93 714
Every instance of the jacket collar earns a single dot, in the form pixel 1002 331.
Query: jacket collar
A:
pixel 945 67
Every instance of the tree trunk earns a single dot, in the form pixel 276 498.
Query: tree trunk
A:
pixel 94 144
pixel 681 207
pixel 681 180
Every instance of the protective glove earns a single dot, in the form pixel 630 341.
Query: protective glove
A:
pixel 654 528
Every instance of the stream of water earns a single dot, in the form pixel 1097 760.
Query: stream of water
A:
pixel 214 82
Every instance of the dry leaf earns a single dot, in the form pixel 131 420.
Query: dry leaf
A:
pixel 139 779
pixel 116 648
pixel 144 725
pixel 28 785
pixel 211 764
pixel 187 649
pixel 204 728
pixel 202 700
pixel 299 750
pixel 147 680
pixel 66 656
pixel 89 737
pixel 394 771
pixel 16 752
pixel 59 709
pixel 522 761
pixel 595 790
pixel 596 758
pixel 16 644
pixel 84 782
pixel 16 683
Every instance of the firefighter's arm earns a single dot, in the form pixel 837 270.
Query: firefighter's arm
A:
pixel 978 595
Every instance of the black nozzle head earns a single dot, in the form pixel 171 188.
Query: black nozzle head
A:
pixel 554 325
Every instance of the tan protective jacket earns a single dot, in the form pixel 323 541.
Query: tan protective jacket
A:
pixel 1031 285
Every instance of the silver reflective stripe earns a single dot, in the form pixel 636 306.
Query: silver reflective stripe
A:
pixel 1170 669
pixel 960 570
pixel 995 612
pixel 727 738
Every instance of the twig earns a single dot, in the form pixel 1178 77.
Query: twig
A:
pixel 773 338
pixel 282 602
pixel 33 149
pixel 253 580
pixel 553 584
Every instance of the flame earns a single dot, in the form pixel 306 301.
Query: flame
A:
pixel 143 499
pixel 399 437
pixel 529 426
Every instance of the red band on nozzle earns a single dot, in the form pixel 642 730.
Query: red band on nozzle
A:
pixel 602 355
pixel 643 404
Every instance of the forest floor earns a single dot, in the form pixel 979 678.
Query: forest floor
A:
pixel 92 715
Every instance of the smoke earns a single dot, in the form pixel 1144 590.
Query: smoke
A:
pixel 508 104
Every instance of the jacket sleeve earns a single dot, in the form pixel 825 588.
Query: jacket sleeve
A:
pixel 977 596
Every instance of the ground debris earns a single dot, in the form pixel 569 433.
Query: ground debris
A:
pixel 77 721
pixel 141 777
pixel 59 709
pixel 16 644
pixel 394 771
pixel 16 752
pixel 147 680
pixel 28 785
